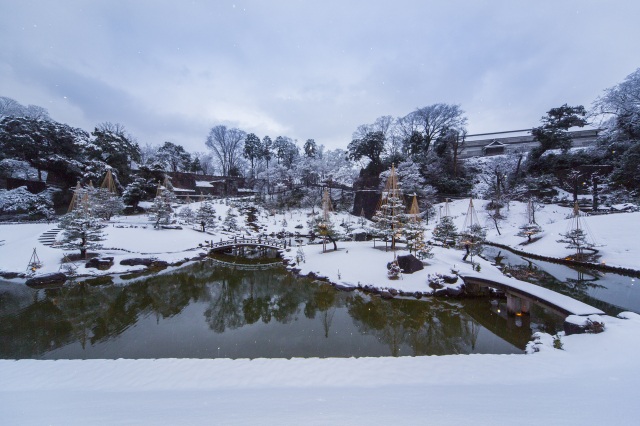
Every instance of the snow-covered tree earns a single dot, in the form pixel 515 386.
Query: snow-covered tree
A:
pixel 135 192
pixel 105 203
pixel 81 230
pixel 621 103
pixel 528 230
pixel 324 229
pixel 160 212
pixel 575 239
pixel 230 223
pixel 322 224
pixel 414 231
pixel 19 203
pixel 206 213
pixel 174 157
pixel 187 214
pixel 113 145
pixel 12 108
pixel 226 146
pixel 390 216
pixel 445 231
pixel 472 240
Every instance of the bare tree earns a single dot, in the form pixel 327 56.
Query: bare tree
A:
pixel 622 103
pixel 226 146
pixel 206 162
pixel 11 107
pixel 148 153
pixel 36 112
pixel 432 122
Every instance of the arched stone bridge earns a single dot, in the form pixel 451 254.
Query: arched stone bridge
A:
pixel 259 242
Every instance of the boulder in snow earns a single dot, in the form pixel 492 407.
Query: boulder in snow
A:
pixel 409 264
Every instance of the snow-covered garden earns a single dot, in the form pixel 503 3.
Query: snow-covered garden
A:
pixel 564 382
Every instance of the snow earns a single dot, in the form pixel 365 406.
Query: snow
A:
pixel 613 234
pixel 536 292
pixel 591 381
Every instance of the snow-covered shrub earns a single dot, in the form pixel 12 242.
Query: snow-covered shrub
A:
pixel 21 204
pixel 393 270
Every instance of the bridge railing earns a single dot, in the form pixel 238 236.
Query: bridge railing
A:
pixel 243 241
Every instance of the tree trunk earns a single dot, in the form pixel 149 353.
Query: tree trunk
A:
pixel 335 246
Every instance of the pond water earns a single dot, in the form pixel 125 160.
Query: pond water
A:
pixel 206 310
pixel 613 293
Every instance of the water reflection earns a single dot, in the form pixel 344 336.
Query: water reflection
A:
pixel 610 292
pixel 206 310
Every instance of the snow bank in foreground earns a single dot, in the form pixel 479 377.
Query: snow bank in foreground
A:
pixel 592 381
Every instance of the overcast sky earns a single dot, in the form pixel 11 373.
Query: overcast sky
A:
pixel 171 70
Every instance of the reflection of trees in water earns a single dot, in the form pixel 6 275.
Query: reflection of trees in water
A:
pixel 233 298
pixel 428 328
pixel 224 310
pixel 322 299
pixel 33 330
pixel 239 297
pixel 578 287
pixel 83 312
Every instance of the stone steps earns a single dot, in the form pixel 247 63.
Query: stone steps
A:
pixel 49 237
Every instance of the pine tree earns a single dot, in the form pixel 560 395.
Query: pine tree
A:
pixel 230 223
pixel 161 210
pixel 105 203
pixel 531 227
pixel 324 229
pixel 81 231
pixel 323 225
pixel 414 232
pixel 390 215
pixel 528 230
pixel 207 214
pixel 187 214
pixel 135 192
pixel 472 240
pixel 446 232
pixel 576 239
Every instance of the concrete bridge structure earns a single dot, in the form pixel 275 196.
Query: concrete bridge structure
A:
pixel 520 296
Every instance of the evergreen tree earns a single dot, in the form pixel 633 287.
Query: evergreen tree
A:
pixel 161 210
pixel 553 134
pixel 230 223
pixel 253 150
pixel 472 240
pixel 324 228
pixel 576 239
pixel 81 230
pixel 105 203
pixel 206 213
pixel 135 192
pixel 187 214
pixel 390 214
pixel 446 232
pixel 528 230
pixel 414 232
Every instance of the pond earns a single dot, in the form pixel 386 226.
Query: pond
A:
pixel 208 310
pixel 611 292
